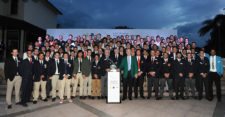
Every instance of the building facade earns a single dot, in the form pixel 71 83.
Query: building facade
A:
pixel 22 21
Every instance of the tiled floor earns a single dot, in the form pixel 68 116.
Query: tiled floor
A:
pixel 134 108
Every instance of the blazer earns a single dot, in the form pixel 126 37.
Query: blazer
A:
pixel 154 66
pixel 52 67
pixel 11 69
pixel 219 65
pixel 40 70
pixel 27 69
pixel 203 65
pixel 96 69
pixel 178 67
pixel 85 66
pixel 124 66
pixel 66 69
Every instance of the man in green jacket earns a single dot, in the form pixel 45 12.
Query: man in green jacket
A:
pixel 130 70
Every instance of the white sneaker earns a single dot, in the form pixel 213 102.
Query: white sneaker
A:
pixel 61 101
pixel 70 101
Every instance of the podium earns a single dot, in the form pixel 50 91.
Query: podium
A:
pixel 113 87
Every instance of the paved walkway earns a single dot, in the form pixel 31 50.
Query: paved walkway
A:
pixel 134 108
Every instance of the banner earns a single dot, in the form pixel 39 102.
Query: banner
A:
pixel 112 32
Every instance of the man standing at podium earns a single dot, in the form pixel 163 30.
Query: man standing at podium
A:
pixel 130 70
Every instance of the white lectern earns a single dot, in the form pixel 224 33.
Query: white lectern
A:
pixel 113 88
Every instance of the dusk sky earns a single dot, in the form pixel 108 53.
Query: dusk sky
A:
pixel 184 15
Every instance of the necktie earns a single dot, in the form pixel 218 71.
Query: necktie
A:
pixel 30 60
pixel 139 63
pixel 16 62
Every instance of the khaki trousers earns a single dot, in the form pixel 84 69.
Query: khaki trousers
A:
pixel 36 91
pixel 55 79
pixel 78 79
pixel 87 85
pixel 16 83
pixel 65 88
pixel 96 87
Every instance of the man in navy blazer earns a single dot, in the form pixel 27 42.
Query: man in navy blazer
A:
pixel 27 78
pixel 215 74
pixel 40 78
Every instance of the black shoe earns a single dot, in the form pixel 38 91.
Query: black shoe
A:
pixel 199 98
pixel 158 98
pixel 124 99
pixel 9 106
pixel 135 97
pixel 172 98
pixel 53 99
pixel 142 97
pixel 72 97
pixel 148 97
pixel 99 97
pixel 18 103
pixel 24 105
pixel 219 100
pixel 182 98
pixel 130 98
pixel 45 100
pixel 48 96
pixel 34 102
pixel 90 97
pixel 102 97
pixel 84 97
pixel 177 98
pixel 81 97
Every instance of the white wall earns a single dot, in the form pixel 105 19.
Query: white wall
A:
pixel 39 14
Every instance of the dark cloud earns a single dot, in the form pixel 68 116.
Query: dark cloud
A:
pixel 159 14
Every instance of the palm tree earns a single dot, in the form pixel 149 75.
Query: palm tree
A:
pixel 216 28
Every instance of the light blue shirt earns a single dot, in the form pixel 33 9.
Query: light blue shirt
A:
pixel 129 62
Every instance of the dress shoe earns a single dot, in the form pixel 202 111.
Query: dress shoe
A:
pixel 182 98
pixel 53 99
pixel 148 97
pixel 142 97
pixel 130 98
pixel 172 98
pixel 34 102
pixel 24 105
pixel 9 106
pixel 45 100
pixel 124 99
pixel 158 98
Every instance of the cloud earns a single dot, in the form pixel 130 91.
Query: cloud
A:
pixel 184 15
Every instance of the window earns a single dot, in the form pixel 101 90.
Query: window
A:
pixel 14 7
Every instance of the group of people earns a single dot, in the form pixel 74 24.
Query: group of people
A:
pixel 78 67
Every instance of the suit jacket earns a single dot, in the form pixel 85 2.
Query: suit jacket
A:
pixel 219 65
pixel 11 69
pixel 96 69
pixel 190 67
pixel 52 67
pixel 178 67
pixel 66 68
pixel 105 64
pixel 166 67
pixel 117 60
pixel 40 69
pixel 203 65
pixel 27 69
pixel 154 66
pixel 143 65
pixel 124 66
pixel 85 66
